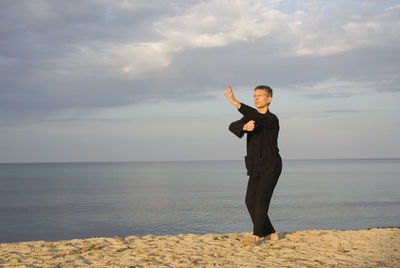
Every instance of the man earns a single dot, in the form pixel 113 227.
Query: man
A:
pixel 263 162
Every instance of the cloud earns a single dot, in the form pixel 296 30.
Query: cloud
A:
pixel 89 54
pixel 220 23
pixel 327 95
pixel 137 60
pixel 344 89
pixel 346 111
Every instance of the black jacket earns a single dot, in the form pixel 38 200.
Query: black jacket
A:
pixel 262 143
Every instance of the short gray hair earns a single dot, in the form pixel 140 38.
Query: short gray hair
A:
pixel 266 88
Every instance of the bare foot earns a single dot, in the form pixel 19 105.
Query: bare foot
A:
pixel 249 241
pixel 259 239
pixel 253 240
pixel 274 236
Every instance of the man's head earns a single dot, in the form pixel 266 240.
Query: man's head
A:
pixel 262 96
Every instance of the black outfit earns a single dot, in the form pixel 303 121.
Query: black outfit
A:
pixel 263 164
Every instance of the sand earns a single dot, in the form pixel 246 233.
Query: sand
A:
pixel 378 247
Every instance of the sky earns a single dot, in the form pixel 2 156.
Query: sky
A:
pixel 144 80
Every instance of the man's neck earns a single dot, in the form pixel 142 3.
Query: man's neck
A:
pixel 263 110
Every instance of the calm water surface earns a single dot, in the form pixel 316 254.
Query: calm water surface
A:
pixel 54 201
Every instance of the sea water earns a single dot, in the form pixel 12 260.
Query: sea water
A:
pixel 57 201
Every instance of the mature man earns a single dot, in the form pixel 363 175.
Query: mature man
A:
pixel 263 162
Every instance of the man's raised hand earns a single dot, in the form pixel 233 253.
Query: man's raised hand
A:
pixel 229 95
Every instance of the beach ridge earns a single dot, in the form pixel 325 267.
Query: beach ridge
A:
pixel 309 248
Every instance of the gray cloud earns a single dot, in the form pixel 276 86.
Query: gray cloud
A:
pixel 346 111
pixel 326 95
pixel 89 54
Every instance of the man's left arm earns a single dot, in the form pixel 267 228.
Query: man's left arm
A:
pixel 237 127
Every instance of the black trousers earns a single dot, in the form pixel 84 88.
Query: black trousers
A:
pixel 258 196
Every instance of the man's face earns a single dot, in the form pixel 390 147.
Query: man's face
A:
pixel 261 98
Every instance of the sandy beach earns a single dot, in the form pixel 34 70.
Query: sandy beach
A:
pixel 378 247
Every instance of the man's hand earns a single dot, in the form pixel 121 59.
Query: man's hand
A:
pixel 229 95
pixel 249 126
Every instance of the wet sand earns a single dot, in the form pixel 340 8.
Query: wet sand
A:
pixel 378 247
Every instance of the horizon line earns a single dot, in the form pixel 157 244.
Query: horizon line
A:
pixel 199 160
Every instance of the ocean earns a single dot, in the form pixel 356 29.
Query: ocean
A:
pixel 58 201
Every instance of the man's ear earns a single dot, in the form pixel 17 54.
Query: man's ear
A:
pixel 269 99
